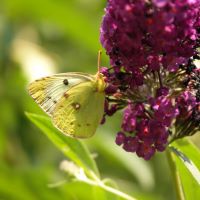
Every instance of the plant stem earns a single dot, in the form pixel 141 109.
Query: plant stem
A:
pixel 116 192
pixel 175 175
pixel 99 183
pixel 160 79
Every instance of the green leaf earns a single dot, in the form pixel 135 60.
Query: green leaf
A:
pixel 185 157
pixel 189 155
pixel 72 148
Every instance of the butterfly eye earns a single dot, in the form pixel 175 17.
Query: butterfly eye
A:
pixel 66 82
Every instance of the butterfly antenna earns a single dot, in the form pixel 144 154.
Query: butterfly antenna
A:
pixel 99 62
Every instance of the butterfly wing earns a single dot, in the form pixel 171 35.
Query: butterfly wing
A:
pixel 49 90
pixel 80 110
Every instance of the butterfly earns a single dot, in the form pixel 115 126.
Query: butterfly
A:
pixel 74 101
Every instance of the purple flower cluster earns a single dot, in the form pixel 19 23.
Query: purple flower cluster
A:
pixel 152 47
pixel 148 129
pixel 150 33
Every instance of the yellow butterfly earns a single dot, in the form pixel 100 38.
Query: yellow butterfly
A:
pixel 75 101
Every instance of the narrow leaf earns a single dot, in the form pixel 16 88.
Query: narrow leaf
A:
pixel 186 171
pixel 72 148
pixel 188 163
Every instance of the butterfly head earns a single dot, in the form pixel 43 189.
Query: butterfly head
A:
pixel 100 82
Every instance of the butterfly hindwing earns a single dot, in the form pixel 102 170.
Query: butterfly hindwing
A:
pixel 49 90
pixel 79 110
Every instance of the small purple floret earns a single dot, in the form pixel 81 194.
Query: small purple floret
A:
pixel 120 138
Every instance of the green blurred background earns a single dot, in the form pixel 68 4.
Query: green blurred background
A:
pixel 39 38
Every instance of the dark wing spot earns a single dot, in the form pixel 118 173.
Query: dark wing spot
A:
pixel 76 106
pixel 79 125
pixel 88 124
pixel 49 97
pixel 66 95
pixel 66 82
pixel 54 101
pixel 71 123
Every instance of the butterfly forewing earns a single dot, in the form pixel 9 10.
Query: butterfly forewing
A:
pixel 80 110
pixel 48 91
